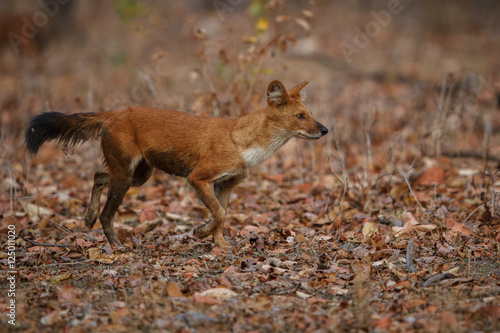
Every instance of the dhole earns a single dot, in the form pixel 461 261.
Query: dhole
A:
pixel 214 154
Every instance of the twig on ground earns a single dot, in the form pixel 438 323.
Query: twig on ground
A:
pixel 35 243
pixel 60 227
pixel 436 278
pixel 467 218
pixel 472 154
pixel 405 176
pixel 69 263
pixel 283 291
pixel 410 249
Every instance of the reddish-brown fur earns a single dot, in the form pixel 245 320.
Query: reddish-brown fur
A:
pixel 208 151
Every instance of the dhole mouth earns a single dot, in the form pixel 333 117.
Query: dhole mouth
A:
pixel 309 136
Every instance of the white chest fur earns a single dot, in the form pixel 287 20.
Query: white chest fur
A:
pixel 255 155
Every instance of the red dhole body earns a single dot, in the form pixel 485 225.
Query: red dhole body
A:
pixel 214 154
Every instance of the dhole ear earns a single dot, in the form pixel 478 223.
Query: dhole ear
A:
pixel 276 94
pixel 299 90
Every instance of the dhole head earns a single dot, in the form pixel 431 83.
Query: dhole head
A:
pixel 288 111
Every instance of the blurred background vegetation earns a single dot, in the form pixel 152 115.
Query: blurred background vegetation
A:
pixel 425 78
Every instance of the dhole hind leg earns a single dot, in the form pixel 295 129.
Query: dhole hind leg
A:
pixel 120 161
pixel 101 181
pixel 120 182
pixel 118 187
pixel 142 173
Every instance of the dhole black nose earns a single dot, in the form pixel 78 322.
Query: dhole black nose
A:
pixel 324 130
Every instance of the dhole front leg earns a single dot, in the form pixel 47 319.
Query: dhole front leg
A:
pixel 204 192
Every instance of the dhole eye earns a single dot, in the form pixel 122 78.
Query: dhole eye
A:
pixel 299 116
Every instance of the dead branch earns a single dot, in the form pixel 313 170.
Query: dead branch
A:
pixel 287 290
pixel 406 178
pixel 68 263
pixel 35 243
pixel 410 250
pixel 472 154
pixel 436 278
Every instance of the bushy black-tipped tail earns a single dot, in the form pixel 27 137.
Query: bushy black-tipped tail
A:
pixel 67 129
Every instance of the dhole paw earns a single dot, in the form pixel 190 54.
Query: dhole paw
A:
pixel 90 220
pixel 221 242
pixel 112 238
pixel 201 232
